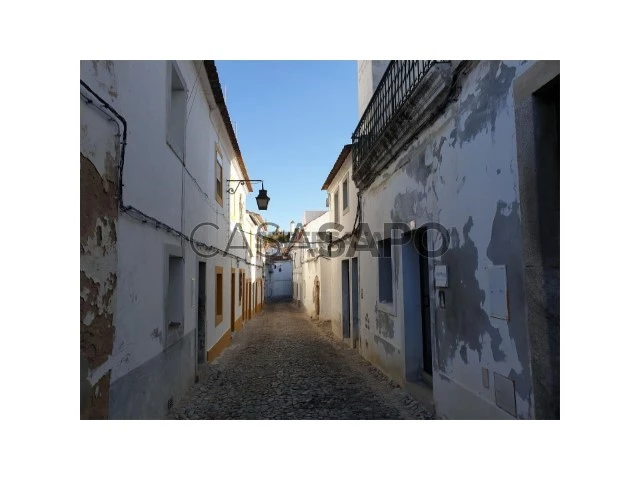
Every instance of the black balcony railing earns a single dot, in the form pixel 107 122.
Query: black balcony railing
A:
pixel 396 85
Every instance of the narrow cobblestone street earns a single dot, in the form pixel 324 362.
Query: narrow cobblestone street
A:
pixel 283 366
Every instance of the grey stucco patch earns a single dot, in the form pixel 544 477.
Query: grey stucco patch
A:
pixel 408 206
pixel 157 334
pixel 464 319
pixel 463 353
pixel 437 150
pixel 420 168
pixel 453 136
pixel 484 106
pixel 388 348
pixel 384 324
pixel 455 238
pixel 423 164
pixel 143 392
pixel 505 248
pixel 464 179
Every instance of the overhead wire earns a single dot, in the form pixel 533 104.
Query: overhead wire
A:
pixel 131 210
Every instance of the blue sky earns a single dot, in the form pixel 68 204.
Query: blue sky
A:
pixel 293 118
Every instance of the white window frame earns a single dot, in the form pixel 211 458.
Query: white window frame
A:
pixel 345 180
pixel 172 66
pixel 219 160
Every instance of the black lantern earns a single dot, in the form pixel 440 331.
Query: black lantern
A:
pixel 262 199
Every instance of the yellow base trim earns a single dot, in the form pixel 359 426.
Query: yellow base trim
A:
pixel 219 346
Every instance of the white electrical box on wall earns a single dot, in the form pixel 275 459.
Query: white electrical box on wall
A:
pixel 441 276
pixel 498 301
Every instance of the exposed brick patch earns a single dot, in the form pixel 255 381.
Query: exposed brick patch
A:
pixel 98 263
pixel 98 404
pixel 97 197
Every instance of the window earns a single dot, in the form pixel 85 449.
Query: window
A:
pixel 174 299
pixel 177 113
pixel 345 194
pixel 234 208
pixel 219 179
pixel 336 213
pixel 385 290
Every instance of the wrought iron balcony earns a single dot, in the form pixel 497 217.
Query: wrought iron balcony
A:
pixel 398 82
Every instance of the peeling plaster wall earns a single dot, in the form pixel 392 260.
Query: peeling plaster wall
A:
pixel 146 367
pixel 99 152
pixel 462 173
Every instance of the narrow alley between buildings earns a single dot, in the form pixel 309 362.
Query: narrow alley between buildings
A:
pixel 283 366
pixel 426 247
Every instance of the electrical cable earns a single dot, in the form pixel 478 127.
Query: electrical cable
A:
pixel 128 209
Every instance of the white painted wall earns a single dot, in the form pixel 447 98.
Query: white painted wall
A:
pixel 181 195
pixel 369 74
pixel 310 215
pixel 332 301
pixel 279 276
pixel 309 265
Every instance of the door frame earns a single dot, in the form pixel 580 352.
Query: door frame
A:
pixel 233 299
pixel 542 325
pixel 219 318
pixel 204 316
pixel 346 298
pixel 250 299
pixel 426 310
pixel 316 296
pixel 355 302
pixel 242 292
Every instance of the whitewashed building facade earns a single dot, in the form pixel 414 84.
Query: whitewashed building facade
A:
pixel 454 175
pixel 466 155
pixel 311 272
pixel 157 151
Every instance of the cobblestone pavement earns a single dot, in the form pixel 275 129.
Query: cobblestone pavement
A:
pixel 282 365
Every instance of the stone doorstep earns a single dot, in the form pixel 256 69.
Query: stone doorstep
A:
pixel 421 393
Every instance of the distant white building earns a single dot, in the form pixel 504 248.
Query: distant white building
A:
pixel 310 215
pixel 341 300
pixel 309 263
pixel 278 278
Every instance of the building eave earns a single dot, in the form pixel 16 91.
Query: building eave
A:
pixel 336 166
pixel 216 88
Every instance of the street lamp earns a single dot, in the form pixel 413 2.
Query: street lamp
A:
pixel 262 199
